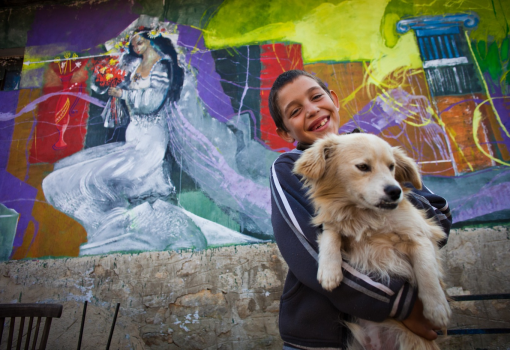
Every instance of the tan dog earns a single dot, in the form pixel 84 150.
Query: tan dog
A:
pixel 356 185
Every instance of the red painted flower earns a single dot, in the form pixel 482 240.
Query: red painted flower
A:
pixel 141 28
pixel 163 30
pixel 107 74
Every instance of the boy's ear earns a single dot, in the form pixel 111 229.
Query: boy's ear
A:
pixel 285 135
pixel 312 164
pixel 406 169
pixel 335 99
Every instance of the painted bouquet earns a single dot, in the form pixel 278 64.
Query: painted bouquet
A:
pixel 108 74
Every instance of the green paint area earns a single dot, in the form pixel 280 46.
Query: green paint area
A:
pixel 493 15
pixel 242 22
pixel 196 13
pixel 493 58
pixel 199 204
pixel 8 224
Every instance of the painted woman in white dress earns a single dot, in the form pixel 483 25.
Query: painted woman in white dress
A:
pixel 122 193
pixel 119 191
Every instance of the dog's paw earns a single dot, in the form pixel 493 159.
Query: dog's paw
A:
pixel 438 312
pixel 330 276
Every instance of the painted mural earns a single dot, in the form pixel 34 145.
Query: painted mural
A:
pixel 145 125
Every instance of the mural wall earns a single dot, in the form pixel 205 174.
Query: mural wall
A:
pixel 145 125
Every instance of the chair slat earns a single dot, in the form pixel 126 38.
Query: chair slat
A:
pixel 20 333
pixel 2 321
pixel 29 333
pixel 11 333
pixel 46 332
pixel 36 332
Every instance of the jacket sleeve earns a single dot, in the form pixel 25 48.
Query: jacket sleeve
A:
pixel 436 207
pixel 358 294
pixel 150 100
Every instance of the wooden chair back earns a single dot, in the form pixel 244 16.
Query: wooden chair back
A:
pixel 30 311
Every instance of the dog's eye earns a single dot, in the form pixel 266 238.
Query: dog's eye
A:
pixel 392 166
pixel 363 167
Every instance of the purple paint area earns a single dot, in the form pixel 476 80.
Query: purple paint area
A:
pixel 490 200
pixel 8 104
pixel 31 106
pixel 373 118
pixel 502 106
pixel 209 86
pixel 239 187
pixel 383 113
pixel 80 29
pixel 19 196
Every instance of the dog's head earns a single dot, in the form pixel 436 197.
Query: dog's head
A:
pixel 357 169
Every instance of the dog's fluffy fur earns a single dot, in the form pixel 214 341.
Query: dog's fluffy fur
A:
pixel 356 185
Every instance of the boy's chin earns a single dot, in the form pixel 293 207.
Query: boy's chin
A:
pixel 321 134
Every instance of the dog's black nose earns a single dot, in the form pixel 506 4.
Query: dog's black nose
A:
pixel 393 192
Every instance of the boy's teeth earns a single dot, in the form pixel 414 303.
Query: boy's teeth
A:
pixel 321 124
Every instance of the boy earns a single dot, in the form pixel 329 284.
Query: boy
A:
pixel 304 110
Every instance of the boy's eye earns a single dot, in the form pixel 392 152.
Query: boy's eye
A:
pixel 294 112
pixel 316 97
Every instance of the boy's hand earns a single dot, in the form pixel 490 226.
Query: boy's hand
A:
pixel 418 324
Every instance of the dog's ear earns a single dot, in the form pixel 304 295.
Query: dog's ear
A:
pixel 312 164
pixel 406 169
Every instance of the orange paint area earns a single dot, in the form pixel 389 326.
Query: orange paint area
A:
pixel 459 123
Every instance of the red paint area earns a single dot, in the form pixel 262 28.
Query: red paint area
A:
pixel 61 120
pixel 275 59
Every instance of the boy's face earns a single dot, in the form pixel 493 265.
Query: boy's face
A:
pixel 308 112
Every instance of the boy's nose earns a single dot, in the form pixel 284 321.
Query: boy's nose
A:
pixel 313 110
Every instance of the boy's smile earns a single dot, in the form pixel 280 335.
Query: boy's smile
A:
pixel 308 111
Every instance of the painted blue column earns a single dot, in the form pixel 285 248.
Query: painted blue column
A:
pixel 447 61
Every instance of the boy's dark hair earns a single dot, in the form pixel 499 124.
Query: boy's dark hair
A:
pixel 282 80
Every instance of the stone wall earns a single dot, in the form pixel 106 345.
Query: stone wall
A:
pixel 478 262
pixel 226 298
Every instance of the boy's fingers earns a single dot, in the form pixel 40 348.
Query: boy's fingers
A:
pixel 418 324
pixel 429 333
pixel 422 329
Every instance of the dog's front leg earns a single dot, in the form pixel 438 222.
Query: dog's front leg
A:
pixel 426 268
pixel 330 258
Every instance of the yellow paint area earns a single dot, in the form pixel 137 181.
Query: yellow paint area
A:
pixel 41 53
pixel 348 31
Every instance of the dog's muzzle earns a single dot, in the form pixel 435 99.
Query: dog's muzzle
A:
pixel 393 195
